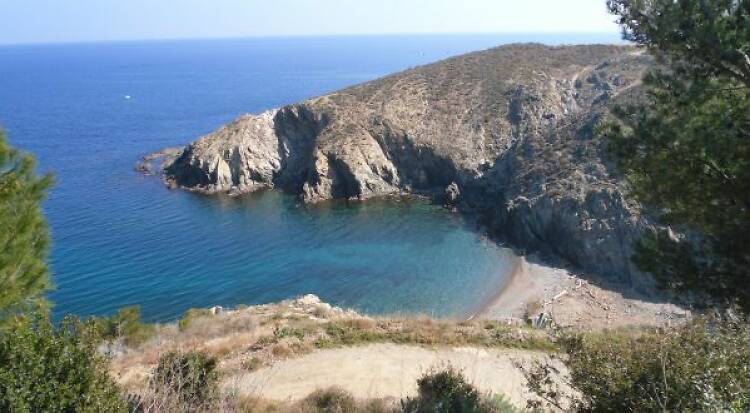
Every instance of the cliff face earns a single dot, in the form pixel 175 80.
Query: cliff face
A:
pixel 505 133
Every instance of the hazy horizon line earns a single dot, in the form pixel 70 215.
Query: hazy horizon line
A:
pixel 311 36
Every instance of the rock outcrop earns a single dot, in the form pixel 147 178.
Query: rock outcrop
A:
pixel 506 134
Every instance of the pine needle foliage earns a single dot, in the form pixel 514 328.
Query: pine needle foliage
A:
pixel 686 148
pixel 24 236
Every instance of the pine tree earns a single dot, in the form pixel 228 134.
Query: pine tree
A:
pixel 24 237
pixel 686 148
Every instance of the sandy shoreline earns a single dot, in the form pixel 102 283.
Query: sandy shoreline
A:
pixel 576 302
pixel 527 284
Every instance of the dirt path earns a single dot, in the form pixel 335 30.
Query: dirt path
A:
pixel 386 370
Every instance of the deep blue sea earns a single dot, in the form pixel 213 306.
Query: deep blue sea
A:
pixel 120 238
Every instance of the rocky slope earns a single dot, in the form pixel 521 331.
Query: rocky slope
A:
pixel 506 134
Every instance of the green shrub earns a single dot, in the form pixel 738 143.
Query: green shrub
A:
pixel 186 381
pixel 699 367
pixel 125 325
pixel 264 341
pixel 330 400
pixel 191 315
pixel 430 332
pixel 286 331
pixel 445 391
pixel 499 404
pixel 348 333
pixel 48 369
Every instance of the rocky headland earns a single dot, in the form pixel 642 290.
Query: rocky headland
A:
pixel 505 134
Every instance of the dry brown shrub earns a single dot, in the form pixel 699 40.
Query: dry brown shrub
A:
pixel 282 350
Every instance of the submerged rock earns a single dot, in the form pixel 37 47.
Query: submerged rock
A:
pixel 512 127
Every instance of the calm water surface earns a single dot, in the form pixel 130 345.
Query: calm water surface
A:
pixel 121 239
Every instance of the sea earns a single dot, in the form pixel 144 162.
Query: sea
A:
pixel 89 111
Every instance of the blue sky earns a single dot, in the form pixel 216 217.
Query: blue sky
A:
pixel 43 21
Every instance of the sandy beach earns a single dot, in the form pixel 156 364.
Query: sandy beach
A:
pixel 573 301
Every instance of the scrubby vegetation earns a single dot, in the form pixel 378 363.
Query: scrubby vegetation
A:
pixel 248 339
pixel 330 400
pixel 702 366
pixel 45 369
pixel 443 390
pixel 182 382
pixel 190 316
pixel 333 400
pixel 126 325
pixel 431 332
pixel 447 391
pixel 685 152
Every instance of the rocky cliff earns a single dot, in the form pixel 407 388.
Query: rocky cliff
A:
pixel 506 134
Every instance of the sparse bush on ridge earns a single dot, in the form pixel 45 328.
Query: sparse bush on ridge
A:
pixel 125 325
pixel 447 391
pixel 282 332
pixel 186 381
pixel 190 316
pixel 331 400
pixel 183 382
pixel 443 391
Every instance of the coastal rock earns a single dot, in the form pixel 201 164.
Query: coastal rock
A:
pixel 153 163
pixel 512 127
pixel 452 194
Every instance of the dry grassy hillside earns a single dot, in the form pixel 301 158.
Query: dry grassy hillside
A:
pixel 282 352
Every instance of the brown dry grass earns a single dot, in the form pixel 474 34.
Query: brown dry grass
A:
pixel 262 335
pixel 309 405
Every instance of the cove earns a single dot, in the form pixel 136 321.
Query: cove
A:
pixel 88 112
pixel 377 257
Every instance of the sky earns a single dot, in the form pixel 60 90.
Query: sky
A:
pixel 53 21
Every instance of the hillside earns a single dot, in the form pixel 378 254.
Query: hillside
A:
pixel 282 352
pixel 504 134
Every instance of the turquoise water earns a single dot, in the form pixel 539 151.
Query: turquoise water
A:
pixel 120 238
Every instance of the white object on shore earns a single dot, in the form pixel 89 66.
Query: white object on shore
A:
pixel 558 296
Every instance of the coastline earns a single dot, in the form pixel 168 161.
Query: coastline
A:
pixel 577 302
pixel 526 285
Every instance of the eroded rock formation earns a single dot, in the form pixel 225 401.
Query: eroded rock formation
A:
pixel 505 133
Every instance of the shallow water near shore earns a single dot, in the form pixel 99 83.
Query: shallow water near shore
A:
pixel 89 111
